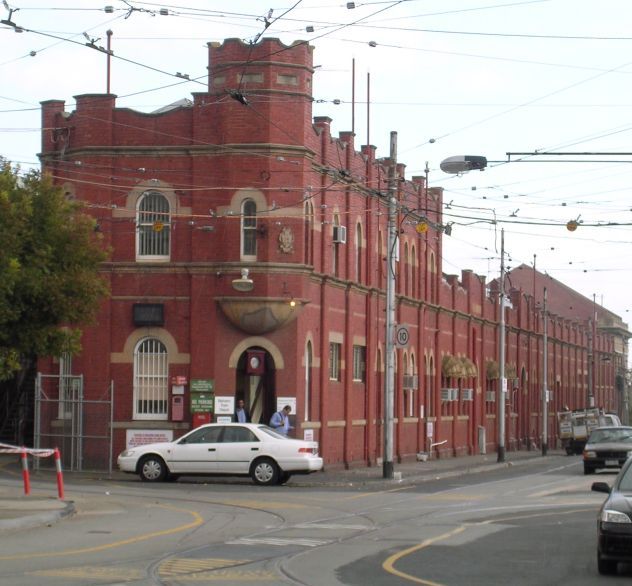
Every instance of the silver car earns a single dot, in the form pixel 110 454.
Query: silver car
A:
pixel 607 447
pixel 230 449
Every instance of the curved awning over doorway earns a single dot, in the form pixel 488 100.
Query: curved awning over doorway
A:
pixel 259 315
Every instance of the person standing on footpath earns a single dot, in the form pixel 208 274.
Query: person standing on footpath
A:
pixel 280 421
pixel 241 413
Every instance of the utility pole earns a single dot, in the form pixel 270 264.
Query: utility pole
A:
pixel 389 382
pixel 590 399
pixel 545 388
pixel 502 390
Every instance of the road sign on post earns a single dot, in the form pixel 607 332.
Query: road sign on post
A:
pixel 402 336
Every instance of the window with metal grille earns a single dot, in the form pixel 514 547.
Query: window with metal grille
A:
pixel 65 386
pixel 359 363
pixel 249 228
pixel 334 360
pixel 151 370
pixel 153 227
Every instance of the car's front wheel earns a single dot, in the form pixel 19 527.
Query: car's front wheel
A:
pixel 606 567
pixel 265 472
pixel 589 469
pixel 152 469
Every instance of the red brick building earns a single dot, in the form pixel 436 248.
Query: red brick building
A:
pixel 248 259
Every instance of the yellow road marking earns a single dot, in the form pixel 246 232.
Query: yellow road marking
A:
pixel 198 520
pixel 131 574
pixel 389 564
pixel 178 566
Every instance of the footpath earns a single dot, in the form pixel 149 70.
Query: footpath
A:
pixel 18 511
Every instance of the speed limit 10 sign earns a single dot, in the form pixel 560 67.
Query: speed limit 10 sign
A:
pixel 402 336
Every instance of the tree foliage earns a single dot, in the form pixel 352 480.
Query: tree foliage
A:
pixel 49 269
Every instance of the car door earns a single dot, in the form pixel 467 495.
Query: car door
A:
pixel 238 448
pixel 196 453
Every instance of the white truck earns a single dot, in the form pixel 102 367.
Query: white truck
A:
pixel 574 427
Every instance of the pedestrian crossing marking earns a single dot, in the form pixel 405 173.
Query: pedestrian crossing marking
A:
pixel 185 570
pixel 281 541
pixel 176 566
pixel 96 572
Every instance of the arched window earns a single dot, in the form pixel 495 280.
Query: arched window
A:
pixel 151 371
pixel 380 260
pixel 153 227
pixel 432 277
pixel 358 251
pixel 409 407
pixel 405 270
pixel 430 388
pixel 248 228
pixel 413 272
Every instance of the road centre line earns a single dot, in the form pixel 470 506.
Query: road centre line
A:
pixel 389 563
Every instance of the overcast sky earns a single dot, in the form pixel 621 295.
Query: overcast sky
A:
pixel 452 77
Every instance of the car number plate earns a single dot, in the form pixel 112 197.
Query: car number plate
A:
pixel 612 462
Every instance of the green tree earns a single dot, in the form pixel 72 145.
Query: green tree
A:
pixel 49 270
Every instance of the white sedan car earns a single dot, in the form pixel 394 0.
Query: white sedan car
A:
pixel 229 449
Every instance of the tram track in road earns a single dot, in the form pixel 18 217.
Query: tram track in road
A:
pixel 291 535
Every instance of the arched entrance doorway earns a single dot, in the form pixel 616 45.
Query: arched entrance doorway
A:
pixel 255 383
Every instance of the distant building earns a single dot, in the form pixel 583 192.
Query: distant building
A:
pixel 248 260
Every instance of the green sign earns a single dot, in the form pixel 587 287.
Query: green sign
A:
pixel 202 385
pixel 202 402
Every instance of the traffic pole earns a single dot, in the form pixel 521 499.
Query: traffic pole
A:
pixel 60 478
pixel 25 472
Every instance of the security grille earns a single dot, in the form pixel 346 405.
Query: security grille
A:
pixel 153 225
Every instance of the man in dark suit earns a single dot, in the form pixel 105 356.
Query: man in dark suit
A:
pixel 241 413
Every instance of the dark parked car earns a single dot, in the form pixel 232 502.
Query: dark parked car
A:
pixel 614 523
pixel 607 447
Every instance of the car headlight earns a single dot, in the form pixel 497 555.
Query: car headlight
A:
pixel 127 453
pixel 629 454
pixel 610 516
pixel 590 454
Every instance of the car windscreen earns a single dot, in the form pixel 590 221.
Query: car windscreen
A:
pixel 271 432
pixel 614 435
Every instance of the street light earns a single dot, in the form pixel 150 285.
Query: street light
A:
pixel 462 164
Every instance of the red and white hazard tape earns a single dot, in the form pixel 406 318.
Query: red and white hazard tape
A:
pixel 9 449
pixel 37 453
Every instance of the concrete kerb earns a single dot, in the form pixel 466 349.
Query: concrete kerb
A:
pixel 27 519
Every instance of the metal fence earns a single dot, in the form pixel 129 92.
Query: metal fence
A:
pixel 81 428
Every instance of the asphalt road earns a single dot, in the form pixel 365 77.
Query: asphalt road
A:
pixel 517 525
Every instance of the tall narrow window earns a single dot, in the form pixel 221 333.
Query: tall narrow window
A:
pixel 405 268
pixel 308 379
pixel 409 407
pixel 334 361
pixel 359 364
pixel 65 386
pixel 413 272
pixel 380 261
pixel 151 371
pixel 153 223
pixel 432 277
pixel 249 228
pixel 358 251
pixel 335 259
